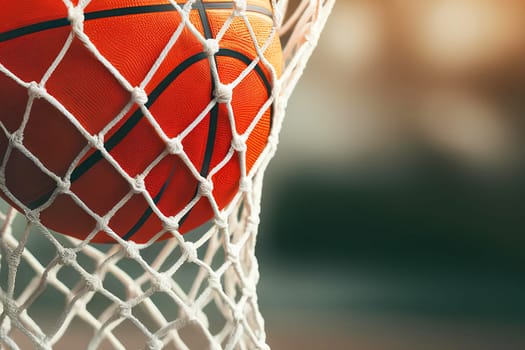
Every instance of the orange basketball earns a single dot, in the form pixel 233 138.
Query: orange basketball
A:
pixel 138 138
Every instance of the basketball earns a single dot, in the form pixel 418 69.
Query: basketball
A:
pixel 121 123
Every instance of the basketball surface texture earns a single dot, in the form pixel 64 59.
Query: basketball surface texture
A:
pixel 37 45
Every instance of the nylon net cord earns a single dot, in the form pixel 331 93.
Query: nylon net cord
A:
pixel 204 282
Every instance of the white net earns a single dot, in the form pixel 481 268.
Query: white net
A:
pixel 176 276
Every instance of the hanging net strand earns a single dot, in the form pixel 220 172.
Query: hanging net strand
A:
pixel 178 267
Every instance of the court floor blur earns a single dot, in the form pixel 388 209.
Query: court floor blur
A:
pixel 366 333
pixel 316 308
pixel 320 332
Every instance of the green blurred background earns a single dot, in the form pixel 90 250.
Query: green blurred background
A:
pixel 393 213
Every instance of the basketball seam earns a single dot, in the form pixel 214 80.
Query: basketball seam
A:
pixel 135 118
pixel 120 134
pixel 214 113
pixel 128 125
pixel 246 60
pixel 125 11
pixel 147 213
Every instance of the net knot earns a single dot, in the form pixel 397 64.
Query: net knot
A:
pixel 171 224
pixel 238 315
pixel 43 344
pixel 63 185
pixel 75 16
pixel 174 146
pixel 233 251
pixel 33 216
pixel 162 283
pixel 249 291
pixel 132 250
pixel 155 344
pixel 17 139
pixel 67 256
pixel 97 141
pixel 93 283
pixel 138 185
pixel 35 90
pixel 191 252
pixel 211 47
pixel 139 96
pixel 223 93
pixel 191 313
pixel 245 185
pixel 239 7
pixel 239 144
pixel 214 281
pixel 10 308
pixel 206 188
pixel 221 222
pixel 103 223
pixel 124 310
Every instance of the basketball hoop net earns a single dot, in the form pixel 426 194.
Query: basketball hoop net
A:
pixel 193 291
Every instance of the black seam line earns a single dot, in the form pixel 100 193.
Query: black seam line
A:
pixel 134 119
pixel 147 213
pixel 138 115
pixel 199 5
pixel 210 143
pixel 214 114
pixel 246 60
pixel 64 22
pixel 128 125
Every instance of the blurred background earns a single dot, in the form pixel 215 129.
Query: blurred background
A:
pixel 393 214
